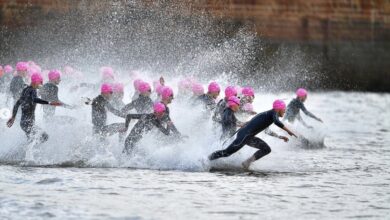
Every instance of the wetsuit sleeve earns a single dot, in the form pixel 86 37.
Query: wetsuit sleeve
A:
pixel 132 116
pixel 303 108
pixel 161 128
pixel 38 100
pixel 114 111
pixel 128 107
pixel 16 107
pixel 277 122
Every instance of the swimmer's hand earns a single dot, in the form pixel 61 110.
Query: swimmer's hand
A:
pixel 10 122
pixel 284 138
pixel 55 103
pixel 320 120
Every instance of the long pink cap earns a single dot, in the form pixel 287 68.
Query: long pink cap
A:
pixel 233 101
pixel 279 105
pixel 301 92
pixel 158 107
pixel 106 88
pixel 54 75
pixel 36 78
pixel 230 91
pixel 213 87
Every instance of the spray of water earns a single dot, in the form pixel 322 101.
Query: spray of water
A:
pixel 154 40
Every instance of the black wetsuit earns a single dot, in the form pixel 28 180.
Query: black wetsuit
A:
pixel 207 101
pixel 246 136
pixel 49 92
pixel 218 112
pixel 28 102
pixel 143 105
pixel 167 119
pixel 16 87
pixel 229 123
pixel 293 108
pixel 146 122
pixel 99 117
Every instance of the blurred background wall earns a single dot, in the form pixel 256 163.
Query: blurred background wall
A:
pixel 349 40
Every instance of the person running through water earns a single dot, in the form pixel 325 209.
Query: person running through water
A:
pixel 146 122
pixel 248 95
pixel 229 91
pixel 143 104
pixel 166 98
pixel 229 120
pixel 246 135
pixel 49 92
pixel 209 99
pixel 28 102
pixel 197 92
pixel 17 83
pixel 117 96
pixel 100 105
pixel 295 105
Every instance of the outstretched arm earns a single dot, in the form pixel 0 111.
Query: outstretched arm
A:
pixel 131 116
pixel 115 111
pixel 309 113
pixel 273 134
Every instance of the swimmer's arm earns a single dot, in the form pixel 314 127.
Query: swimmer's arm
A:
pixel 162 129
pixel 128 107
pixel 273 134
pixel 309 113
pixel 115 111
pixel 131 116
pixel 16 107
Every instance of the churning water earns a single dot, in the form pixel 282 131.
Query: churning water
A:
pixel 73 176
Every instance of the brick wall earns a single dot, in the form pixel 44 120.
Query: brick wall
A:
pixel 285 20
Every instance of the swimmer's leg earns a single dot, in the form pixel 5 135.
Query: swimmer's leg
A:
pixel 263 147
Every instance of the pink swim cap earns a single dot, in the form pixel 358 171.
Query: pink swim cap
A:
pixel 184 84
pixel 301 92
pixel 279 105
pixel 107 72
pixel 233 101
pixel 159 89
pixel 230 91
pixel 106 88
pixel 213 87
pixel 117 88
pixel 166 92
pixel 36 78
pixel 68 70
pixel 21 66
pixel 136 83
pixel 54 75
pixel 158 107
pixel 248 91
pixel 144 87
pixel 197 89
pixel 248 107
pixel 8 69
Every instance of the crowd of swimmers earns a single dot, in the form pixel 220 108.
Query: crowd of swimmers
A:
pixel 150 113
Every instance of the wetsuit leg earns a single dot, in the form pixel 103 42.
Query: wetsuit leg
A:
pixel 130 143
pixel 236 145
pixel 263 147
pixel 32 131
